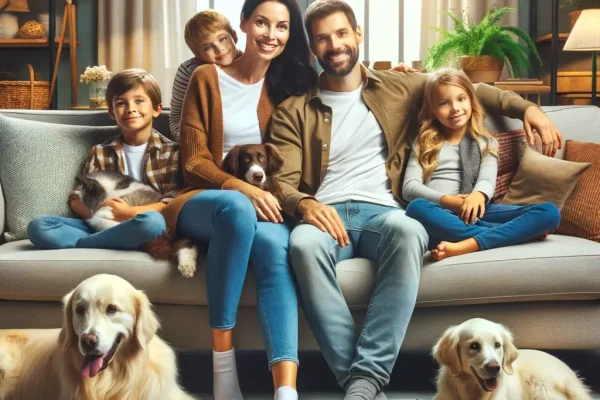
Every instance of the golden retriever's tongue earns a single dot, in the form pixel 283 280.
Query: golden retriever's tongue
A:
pixel 91 365
pixel 491 384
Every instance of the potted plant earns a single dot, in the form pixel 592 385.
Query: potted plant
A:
pixel 482 49
pixel 578 6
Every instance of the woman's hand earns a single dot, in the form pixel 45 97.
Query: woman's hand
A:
pixel 472 208
pixel 266 205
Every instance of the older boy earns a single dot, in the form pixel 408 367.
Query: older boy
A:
pixel 134 100
pixel 210 37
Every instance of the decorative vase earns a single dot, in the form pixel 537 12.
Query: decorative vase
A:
pixel 482 68
pixel 9 25
pixel 98 94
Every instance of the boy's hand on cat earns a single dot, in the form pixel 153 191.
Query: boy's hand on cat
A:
pixel 121 210
pixel 472 208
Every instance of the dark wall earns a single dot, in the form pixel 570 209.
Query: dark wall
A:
pixel 16 60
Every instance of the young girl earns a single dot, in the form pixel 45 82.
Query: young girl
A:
pixel 451 177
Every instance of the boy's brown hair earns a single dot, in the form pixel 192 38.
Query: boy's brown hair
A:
pixel 203 24
pixel 322 8
pixel 128 79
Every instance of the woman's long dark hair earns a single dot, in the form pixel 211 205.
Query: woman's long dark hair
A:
pixel 291 73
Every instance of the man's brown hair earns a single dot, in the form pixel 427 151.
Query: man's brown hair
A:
pixel 203 24
pixel 128 79
pixel 323 8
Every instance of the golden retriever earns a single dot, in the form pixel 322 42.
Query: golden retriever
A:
pixel 107 349
pixel 479 361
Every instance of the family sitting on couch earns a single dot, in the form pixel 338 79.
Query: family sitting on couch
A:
pixel 358 146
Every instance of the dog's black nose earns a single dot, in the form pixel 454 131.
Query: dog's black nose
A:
pixel 89 342
pixel 258 175
pixel 493 368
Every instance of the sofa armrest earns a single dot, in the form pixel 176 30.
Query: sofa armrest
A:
pixel 2 215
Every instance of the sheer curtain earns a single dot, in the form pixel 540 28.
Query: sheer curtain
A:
pixel 432 15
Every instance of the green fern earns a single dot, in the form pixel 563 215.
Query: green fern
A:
pixel 484 38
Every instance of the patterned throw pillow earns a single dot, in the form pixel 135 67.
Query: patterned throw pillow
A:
pixel 511 146
pixel 38 165
pixel 581 214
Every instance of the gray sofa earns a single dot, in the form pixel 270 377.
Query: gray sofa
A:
pixel 548 293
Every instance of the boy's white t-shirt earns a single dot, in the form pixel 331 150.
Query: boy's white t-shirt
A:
pixel 240 111
pixel 134 157
pixel 357 153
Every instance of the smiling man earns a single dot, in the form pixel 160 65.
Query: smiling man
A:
pixel 345 146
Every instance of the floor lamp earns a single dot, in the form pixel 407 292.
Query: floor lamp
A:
pixel 70 19
pixel 585 36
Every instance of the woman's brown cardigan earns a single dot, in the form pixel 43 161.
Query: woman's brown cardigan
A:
pixel 201 138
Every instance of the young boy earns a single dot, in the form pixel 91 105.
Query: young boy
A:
pixel 210 37
pixel 134 100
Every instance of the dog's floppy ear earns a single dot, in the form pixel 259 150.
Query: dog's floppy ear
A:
pixel 446 351
pixel 510 351
pixel 67 333
pixel 146 323
pixel 276 160
pixel 231 164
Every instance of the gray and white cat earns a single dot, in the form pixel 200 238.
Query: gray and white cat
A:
pixel 100 186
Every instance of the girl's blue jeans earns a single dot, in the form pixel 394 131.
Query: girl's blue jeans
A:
pixel 53 232
pixel 501 225
pixel 226 221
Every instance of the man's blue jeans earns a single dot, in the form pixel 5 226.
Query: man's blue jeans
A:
pixel 53 232
pixel 501 225
pixel 226 220
pixel 396 243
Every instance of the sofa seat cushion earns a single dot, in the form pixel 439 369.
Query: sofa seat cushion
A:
pixel 560 268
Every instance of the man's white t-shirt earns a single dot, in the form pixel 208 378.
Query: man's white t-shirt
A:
pixel 357 153
pixel 240 111
pixel 134 157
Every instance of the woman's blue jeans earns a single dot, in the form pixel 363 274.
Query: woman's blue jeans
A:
pixel 53 232
pixel 501 225
pixel 226 220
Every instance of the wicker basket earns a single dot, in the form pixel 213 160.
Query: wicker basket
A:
pixel 33 95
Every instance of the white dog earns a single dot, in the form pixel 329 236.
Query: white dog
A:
pixel 107 349
pixel 479 361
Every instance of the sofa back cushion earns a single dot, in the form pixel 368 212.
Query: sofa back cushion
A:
pixel 38 164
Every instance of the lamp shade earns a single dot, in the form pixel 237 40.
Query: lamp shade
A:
pixel 17 6
pixel 585 35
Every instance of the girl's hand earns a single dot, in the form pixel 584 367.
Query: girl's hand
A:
pixel 266 205
pixel 472 208
pixel 453 203
pixel 120 209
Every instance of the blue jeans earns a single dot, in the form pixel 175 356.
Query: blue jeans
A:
pixel 226 220
pixel 53 232
pixel 501 225
pixel 396 243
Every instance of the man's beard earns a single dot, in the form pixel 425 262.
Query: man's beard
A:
pixel 341 70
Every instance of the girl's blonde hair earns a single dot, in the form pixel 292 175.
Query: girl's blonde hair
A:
pixel 431 137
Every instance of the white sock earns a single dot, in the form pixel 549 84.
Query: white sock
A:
pixel 225 379
pixel 286 393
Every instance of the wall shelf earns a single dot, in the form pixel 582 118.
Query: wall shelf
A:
pixel 548 38
pixel 30 43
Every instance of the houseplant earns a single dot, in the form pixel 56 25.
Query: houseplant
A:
pixel 97 77
pixel 577 6
pixel 482 49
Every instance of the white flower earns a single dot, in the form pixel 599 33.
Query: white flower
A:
pixel 95 74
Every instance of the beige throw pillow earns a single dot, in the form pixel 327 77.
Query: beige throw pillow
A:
pixel 540 179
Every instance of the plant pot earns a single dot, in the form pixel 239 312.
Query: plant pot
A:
pixel 98 94
pixel 573 17
pixel 482 68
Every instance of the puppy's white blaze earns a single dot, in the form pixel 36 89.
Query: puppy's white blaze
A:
pixel 250 175
pixel 186 259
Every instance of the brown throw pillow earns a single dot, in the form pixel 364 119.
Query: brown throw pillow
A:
pixel 540 179
pixel 511 146
pixel 581 214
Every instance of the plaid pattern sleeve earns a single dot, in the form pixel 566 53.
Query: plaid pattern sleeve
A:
pixel 162 166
